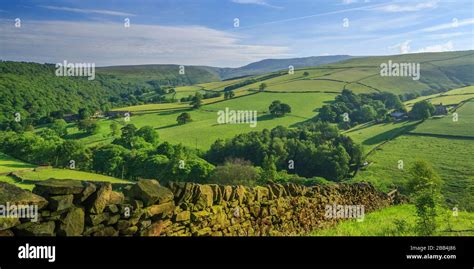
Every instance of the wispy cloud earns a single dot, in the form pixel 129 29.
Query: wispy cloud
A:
pixel 448 46
pixel 453 24
pixel 409 7
pixel 113 44
pixel 89 11
pixel 346 2
pixel 255 2
pixel 403 47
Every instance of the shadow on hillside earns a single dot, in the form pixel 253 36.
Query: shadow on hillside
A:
pixel 388 135
pixel 168 126
pixel 266 117
pixel 77 136
pixel 17 165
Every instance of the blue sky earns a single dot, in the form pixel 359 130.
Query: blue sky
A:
pixel 202 32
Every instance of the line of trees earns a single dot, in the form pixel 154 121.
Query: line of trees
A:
pixel 350 109
pixel 316 150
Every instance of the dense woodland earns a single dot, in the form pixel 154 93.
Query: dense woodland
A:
pixel 281 154
pixel 34 92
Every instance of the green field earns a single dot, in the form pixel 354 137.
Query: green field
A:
pixel 204 130
pixel 9 164
pixel 464 126
pixel 371 135
pixel 46 173
pixel 10 180
pixel 452 97
pixel 451 158
pixel 32 172
pixel 383 223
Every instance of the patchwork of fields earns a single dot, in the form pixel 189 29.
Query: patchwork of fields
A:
pixel 31 173
pixel 400 221
pixel 448 145
pixel 204 129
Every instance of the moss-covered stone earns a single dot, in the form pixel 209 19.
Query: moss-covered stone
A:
pixel 150 192
pixel 100 199
pixel 73 223
pixel 183 216
pixel 95 219
pixel 61 202
pixel 14 195
pixel 58 187
pixel 163 209
pixel 7 223
pixel 89 189
pixel 35 229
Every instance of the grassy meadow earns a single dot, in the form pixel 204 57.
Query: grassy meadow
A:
pixel 400 220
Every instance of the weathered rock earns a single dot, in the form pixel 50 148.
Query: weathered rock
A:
pixel 261 193
pixel 137 204
pixel 89 189
pixel 226 192
pixel 150 192
pixel 7 223
pixel 204 196
pixel 183 216
pixel 106 231
pixel 185 193
pixel 35 229
pixel 155 229
pixel 6 233
pixel 112 209
pixel 144 224
pixel 113 219
pixel 100 199
pixel 88 231
pixel 164 209
pixel 199 215
pixel 95 219
pixel 73 223
pixel 130 230
pixel 116 198
pixel 14 195
pixel 238 193
pixel 61 202
pixel 58 187
pixel 123 225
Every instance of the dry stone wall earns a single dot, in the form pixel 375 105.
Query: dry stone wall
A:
pixel 77 208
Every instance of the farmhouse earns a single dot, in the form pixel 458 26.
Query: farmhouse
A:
pixel 441 109
pixel 118 113
pixel 398 115
pixel 71 117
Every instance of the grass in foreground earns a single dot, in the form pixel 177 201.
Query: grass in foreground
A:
pixel 10 164
pixel 464 126
pixel 451 158
pixel 46 173
pixel 10 180
pixel 400 220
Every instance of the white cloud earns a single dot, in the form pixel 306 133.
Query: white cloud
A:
pixel 346 2
pixel 403 47
pixel 448 46
pixel 455 23
pixel 89 11
pixel 410 7
pixel 113 44
pixel 255 2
